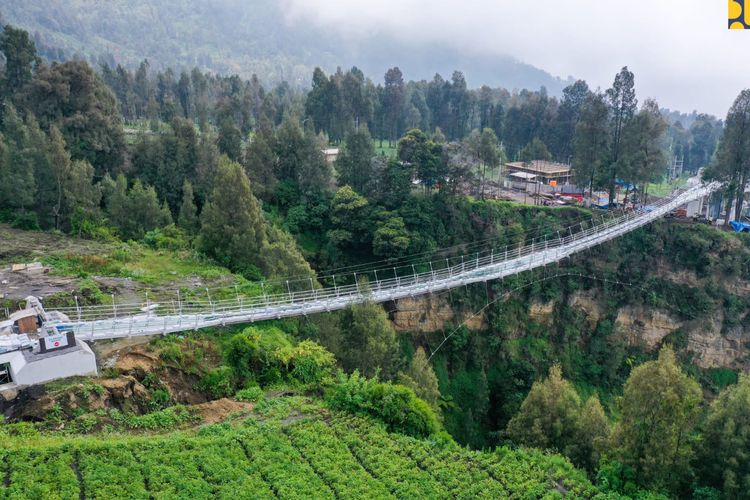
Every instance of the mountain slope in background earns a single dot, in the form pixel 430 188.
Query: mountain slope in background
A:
pixel 235 36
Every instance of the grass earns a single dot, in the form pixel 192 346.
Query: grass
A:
pixel 385 149
pixel 158 267
pixel 663 188
pixel 138 262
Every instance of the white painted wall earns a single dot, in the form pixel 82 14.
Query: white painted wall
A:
pixel 67 363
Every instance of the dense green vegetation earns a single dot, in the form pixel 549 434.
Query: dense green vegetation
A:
pixel 317 456
pixel 233 37
pixel 226 181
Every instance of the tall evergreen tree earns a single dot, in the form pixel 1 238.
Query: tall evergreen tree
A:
pixel 230 140
pixel 421 377
pixel 260 161
pixel 188 218
pixel 354 163
pixel 232 225
pixel 535 150
pixel 72 97
pixel 370 344
pixel 60 168
pixel 82 196
pixel 623 105
pixel 548 416
pixel 733 154
pixel 17 183
pixel 394 99
pixel 644 160
pixel 21 60
pixel 591 142
pixel 574 98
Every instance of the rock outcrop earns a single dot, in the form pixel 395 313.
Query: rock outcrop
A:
pixel 430 313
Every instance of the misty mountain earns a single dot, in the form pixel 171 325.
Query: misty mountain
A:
pixel 236 36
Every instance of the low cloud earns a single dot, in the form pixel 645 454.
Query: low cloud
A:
pixel 680 51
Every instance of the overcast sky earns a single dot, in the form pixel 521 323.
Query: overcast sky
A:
pixel 681 51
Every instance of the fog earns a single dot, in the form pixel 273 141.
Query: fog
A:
pixel 681 51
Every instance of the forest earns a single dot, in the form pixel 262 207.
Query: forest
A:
pixel 234 174
pixel 278 46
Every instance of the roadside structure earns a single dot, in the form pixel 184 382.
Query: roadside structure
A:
pixel 546 172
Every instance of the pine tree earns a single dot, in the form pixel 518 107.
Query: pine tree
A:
pixel 20 60
pixel 232 225
pixel 188 218
pixel 591 142
pixel 230 140
pixel 421 377
pixel 623 104
pixel 354 163
pixel 60 166
pixel 548 417
pixel 592 434
pixel 82 196
pixel 370 344
pixel 144 212
pixel 260 162
pixel 17 184
pixel 116 200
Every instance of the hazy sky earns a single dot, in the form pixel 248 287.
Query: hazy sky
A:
pixel 681 51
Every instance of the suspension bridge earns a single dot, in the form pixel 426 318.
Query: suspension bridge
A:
pixel 126 320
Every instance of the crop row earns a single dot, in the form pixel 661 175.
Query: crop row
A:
pixel 444 464
pixel 111 471
pixel 333 462
pixel 202 468
pixel 343 457
pixel 380 455
pixel 41 472
pixel 534 474
pixel 281 464
pixel 452 466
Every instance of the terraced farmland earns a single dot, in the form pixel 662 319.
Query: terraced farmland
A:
pixel 314 457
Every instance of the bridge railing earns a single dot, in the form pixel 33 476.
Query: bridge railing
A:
pixel 129 319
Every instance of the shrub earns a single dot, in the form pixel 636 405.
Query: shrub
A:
pixel 172 353
pixel 218 382
pixel 164 419
pixel 167 238
pixel 251 395
pixel 395 405
pixel 27 221
pixel 308 362
pixel 252 354
pixel 267 356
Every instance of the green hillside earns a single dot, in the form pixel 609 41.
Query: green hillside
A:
pixel 280 452
pixel 237 37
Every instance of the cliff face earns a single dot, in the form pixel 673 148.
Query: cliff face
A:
pixel 430 314
pixel 713 341
pixel 712 344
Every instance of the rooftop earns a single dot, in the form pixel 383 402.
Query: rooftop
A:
pixel 541 167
